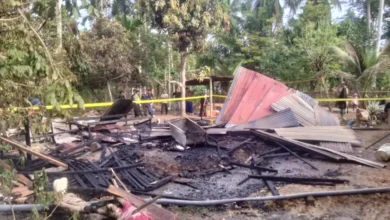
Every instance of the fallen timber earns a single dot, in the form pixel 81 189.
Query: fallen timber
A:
pixel 26 149
pixel 295 144
pixel 254 167
pixel 297 179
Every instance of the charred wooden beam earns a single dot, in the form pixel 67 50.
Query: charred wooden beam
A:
pixel 243 181
pixel 254 167
pixel 159 183
pixel 239 145
pixel 297 179
pixel 271 187
pixel 270 152
pixel 296 155
pixel 295 144
pixel 162 195
pixel 277 155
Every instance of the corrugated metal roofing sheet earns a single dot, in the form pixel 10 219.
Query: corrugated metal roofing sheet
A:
pixel 277 91
pixel 282 119
pixel 320 133
pixel 242 80
pixel 250 97
pixel 308 99
pixel 338 146
pixel 302 111
pixel 325 118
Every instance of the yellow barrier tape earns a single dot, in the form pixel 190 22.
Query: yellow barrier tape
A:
pixel 171 99
pixel 221 96
pixel 350 99
pixel 333 99
pixel 106 104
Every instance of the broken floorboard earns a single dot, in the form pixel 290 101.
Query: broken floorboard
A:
pixel 350 157
pixel 338 146
pixel 21 178
pixel 319 133
pixel 332 154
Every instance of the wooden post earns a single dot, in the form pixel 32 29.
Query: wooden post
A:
pixel 27 135
pixel 211 97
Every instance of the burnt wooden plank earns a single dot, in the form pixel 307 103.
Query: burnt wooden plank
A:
pixel 254 167
pixel 297 179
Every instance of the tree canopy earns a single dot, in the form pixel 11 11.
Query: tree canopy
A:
pixel 58 49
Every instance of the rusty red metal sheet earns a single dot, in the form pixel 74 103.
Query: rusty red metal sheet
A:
pixel 250 97
pixel 242 80
pixel 253 96
pixel 277 91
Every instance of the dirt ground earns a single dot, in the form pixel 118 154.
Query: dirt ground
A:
pixel 375 207
pixel 357 207
pixel 364 207
pixel 224 185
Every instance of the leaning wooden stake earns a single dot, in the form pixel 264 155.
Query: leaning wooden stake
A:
pixel 26 149
pixel 119 180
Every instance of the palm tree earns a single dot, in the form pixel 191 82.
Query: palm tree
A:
pixel 368 15
pixel 259 11
pixel 380 25
pixel 363 64
pixel 379 68
pixel 355 61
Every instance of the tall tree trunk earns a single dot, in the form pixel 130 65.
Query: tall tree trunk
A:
pixel 380 26
pixel 109 90
pixel 183 62
pixel 368 15
pixel 378 38
pixel 59 23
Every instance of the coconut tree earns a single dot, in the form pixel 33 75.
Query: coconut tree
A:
pixel 378 69
pixel 380 25
pixel 365 65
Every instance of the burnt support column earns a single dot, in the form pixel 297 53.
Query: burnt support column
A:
pixel 27 135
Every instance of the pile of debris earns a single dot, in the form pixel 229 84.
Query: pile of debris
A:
pixel 265 131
